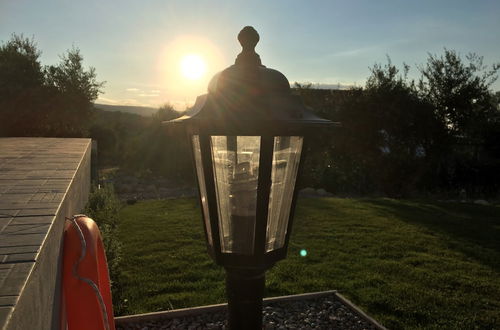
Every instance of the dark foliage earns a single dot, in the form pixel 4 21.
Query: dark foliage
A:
pixel 142 146
pixel 159 151
pixel 103 207
pixel 459 91
pixel 114 133
pixel 44 101
pixel 399 138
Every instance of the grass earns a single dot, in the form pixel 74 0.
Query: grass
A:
pixel 409 264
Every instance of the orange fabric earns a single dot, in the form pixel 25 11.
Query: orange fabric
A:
pixel 82 304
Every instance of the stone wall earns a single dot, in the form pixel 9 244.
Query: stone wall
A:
pixel 42 181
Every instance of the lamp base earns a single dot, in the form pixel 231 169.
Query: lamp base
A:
pixel 245 289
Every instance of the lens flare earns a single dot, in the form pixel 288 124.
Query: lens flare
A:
pixel 303 252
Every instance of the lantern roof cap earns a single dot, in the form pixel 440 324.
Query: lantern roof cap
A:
pixel 248 71
pixel 248 93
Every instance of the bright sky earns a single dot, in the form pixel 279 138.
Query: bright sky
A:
pixel 140 48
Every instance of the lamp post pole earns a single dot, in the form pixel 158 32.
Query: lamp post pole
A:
pixel 245 289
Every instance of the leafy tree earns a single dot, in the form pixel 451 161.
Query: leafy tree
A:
pixel 74 90
pixel 114 132
pixel 398 136
pixel 159 150
pixel 324 103
pixel 22 87
pixel 44 101
pixel 166 112
pixel 459 91
pixel 389 131
pixel 20 67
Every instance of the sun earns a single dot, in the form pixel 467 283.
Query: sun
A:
pixel 193 66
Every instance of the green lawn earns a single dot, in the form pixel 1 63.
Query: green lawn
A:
pixel 409 264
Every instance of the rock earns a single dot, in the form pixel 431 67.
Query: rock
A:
pixel 128 179
pixel 124 188
pixel 299 314
pixel 308 192
pixel 323 193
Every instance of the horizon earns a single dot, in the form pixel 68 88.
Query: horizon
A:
pixel 139 48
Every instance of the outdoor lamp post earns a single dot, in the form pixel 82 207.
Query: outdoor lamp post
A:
pixel 248 135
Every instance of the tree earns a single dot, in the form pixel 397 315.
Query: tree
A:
pixel 459 91
pixel 389 132
pixel 19 55
pixel 21 87
pixel 74 90
pixel 399 136
pixel 44 101
pixel 166 112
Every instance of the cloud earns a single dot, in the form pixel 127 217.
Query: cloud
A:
pixel 132 89
pixel 105 100
pixel 155 91
pixel 131 102
pixel 148 95
pixel 341 86
pixel 127 101
pixel 355 52
pixel 380 47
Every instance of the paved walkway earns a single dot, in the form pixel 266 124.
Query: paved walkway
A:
pixel 42 180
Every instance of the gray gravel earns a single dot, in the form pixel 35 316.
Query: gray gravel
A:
pixel 322 313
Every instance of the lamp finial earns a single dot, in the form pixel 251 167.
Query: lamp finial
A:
pixel 248 38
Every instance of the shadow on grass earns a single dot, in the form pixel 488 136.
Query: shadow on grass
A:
pixel 471 229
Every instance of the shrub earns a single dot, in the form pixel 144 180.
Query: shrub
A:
pixel 103 207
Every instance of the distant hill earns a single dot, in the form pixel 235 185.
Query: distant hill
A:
pixel 142 111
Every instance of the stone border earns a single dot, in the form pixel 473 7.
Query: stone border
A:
pixel 358 311
pixel 184 312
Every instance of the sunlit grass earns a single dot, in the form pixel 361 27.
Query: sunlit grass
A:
pixel 409 264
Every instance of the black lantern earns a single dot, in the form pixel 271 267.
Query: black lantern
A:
pixel 248 136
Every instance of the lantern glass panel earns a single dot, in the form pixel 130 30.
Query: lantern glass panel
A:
pixel 236 169
pixel 286 159
pixel 201 183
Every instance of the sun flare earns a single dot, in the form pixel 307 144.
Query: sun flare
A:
pixel 193 66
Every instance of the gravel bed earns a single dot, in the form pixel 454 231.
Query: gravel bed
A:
pixel 326 312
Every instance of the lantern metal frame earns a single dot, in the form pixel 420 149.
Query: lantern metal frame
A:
pixel 260 258
pixel 247 99
pixel 267 133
